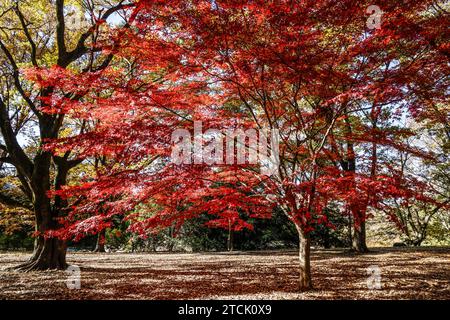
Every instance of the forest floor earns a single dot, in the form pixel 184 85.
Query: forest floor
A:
pixel 405 273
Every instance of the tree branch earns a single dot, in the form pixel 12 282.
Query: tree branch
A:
pixel 60 32
pixel 21 161
pixel 27 34
pixel 81 48
pixel 17 79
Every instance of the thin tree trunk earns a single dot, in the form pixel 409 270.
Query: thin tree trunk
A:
pixel 305 261
pixel 230 240
pixel 350 233
pixel 101 239
pixel 359 224
pixel 359 236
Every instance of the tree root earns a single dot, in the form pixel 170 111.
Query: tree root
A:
pixel 36 266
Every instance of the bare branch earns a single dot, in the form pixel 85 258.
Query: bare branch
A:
pixel 27 34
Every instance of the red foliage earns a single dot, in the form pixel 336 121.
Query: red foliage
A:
pixel 305 68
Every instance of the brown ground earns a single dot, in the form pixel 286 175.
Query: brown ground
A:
pixel 405 274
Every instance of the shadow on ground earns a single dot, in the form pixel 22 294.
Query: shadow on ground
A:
pixel 337 274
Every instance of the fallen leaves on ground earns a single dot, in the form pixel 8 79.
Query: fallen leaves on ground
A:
pixel 422 273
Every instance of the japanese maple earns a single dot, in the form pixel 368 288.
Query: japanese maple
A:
pixel 309 69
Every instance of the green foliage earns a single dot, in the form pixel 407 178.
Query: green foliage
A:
pixel 335 237
pixel 19 239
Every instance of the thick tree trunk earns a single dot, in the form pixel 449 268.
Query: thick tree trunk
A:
pixel 101 239
pixel 305 261
pixel 34 173
pixel 49 254
pixel 359 237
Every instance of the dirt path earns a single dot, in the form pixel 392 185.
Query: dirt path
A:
pixel 405 274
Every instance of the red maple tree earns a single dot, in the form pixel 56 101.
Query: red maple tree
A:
pixel 310 69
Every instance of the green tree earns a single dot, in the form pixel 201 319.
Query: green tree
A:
pixel 42 34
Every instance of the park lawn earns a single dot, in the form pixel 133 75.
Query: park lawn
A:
pixel 422 273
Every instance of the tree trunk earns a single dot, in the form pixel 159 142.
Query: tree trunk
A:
pixel 305 261
pixel 359 236
pixel 101 239
pixel 230 240
pixel 350 233
pixel 359 224
pixel 34 173
pixel 415 242
pixel 48 254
